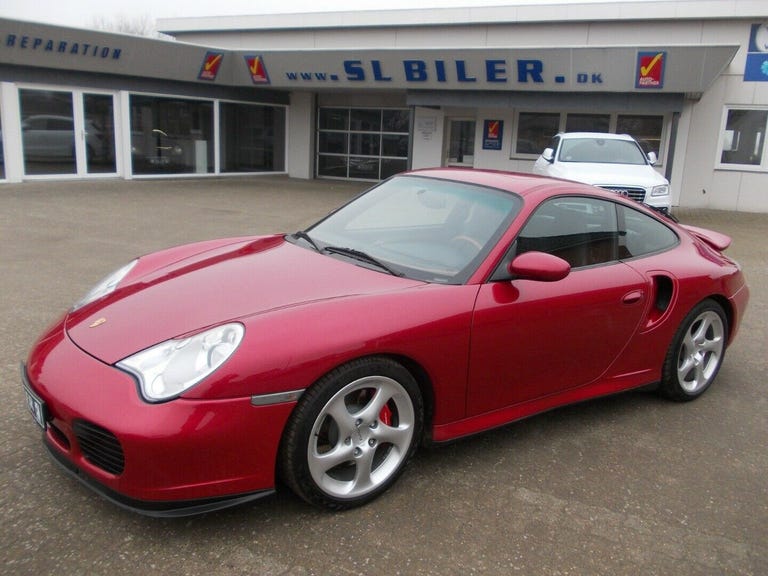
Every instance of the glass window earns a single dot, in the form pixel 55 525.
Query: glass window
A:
pixel 365 143
pixel 394 145
pixel 581 231
pixel 334 119
pixel 333 142
pixel 47 132
pixel 99 133
pixel 333 166
pixel 645 129
pixel 252 138
pixel 171 135
pixel 461 145
pixel 642 234
pixel 363 167
pixel 365 120
pixel 396 121
pixel 392 166
pixel 588 123
pixel 743 141
pixel 534 131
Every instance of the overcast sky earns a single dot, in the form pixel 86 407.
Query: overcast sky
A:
pixel 83 13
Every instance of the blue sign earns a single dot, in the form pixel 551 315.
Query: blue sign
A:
pixel 756 69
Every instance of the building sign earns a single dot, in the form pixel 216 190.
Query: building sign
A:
pixel 211 65
pixel 471 70
pixel 493 133
pixel 257 70
pixel 756 69
pixel 78 47
pixel 675 69
pixel 650 69
pixel 618 69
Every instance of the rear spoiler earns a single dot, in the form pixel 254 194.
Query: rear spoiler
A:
pixel 716 240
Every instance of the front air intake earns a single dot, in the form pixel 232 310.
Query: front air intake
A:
pixel 100 447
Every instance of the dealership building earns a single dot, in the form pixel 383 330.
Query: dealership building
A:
pixel 364 95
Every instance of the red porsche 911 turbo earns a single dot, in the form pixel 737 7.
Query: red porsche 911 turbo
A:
pixel 438 304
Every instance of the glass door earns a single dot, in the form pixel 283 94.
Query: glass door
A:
pixel 461 143
pixel 67 132
pixel 47 132
pixel 98 133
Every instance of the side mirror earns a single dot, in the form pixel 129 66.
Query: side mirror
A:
pixel 652 158
pixel 548 155
pixel 539 266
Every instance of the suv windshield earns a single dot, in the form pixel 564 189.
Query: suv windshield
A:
pixel 601 151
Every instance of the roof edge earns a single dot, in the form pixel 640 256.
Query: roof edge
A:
pixel 477 15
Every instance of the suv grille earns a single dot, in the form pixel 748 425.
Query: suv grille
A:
pixel 637 194
pixel 100 447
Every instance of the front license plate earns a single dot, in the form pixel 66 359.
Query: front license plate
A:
pixel 36 407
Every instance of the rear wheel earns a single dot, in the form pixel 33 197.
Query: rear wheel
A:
pixel 352 433
pixel 696 353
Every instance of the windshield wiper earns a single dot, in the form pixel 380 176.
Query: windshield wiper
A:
pixel 363 257
pixel 304 236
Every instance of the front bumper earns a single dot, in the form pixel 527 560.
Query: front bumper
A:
pixel 176 458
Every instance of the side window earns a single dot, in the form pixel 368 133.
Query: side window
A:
pixel 642 234
pixel 581 231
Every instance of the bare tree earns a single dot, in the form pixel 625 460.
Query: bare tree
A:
pixel 139 25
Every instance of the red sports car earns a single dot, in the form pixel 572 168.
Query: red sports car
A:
pixel 438 304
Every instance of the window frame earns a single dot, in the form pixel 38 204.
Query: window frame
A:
pixel 613 122
pixel 501 273
pixel 733 167
pixel 351 132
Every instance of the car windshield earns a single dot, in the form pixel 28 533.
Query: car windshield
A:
pixel 601 151
pixel 421 228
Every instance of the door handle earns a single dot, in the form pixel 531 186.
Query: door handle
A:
pixel 632 297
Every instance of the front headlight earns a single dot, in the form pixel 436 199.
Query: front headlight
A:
pixel 169 369
pixel 662 190
pixel 106 286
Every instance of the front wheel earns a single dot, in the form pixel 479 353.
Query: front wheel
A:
pixel 696 353
pixel 352 433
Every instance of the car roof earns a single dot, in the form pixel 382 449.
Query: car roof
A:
pixel 525 185
pixel 601 135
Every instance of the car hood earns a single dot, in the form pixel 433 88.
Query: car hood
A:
pixel 184 290
pixel 609 174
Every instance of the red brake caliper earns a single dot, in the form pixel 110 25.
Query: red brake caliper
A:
pixel 386 415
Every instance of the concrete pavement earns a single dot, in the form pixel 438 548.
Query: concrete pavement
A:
pixel 631 484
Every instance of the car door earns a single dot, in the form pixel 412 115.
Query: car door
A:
pixel 532 339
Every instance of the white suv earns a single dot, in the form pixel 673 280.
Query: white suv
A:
pixel 612 161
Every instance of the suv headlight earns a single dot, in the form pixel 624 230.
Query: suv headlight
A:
pixel 662 190
pixel 173 367
pixel 106 286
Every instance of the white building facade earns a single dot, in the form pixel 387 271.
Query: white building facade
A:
pixel 364 95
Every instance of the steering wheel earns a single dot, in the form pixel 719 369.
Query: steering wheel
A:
pixel 466 241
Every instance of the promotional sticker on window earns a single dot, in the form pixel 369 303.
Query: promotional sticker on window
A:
pixel 492 134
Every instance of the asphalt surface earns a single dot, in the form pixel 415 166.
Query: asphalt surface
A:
pixel 631 484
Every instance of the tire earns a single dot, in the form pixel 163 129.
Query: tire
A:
pixel 352 433
pixel 696 353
